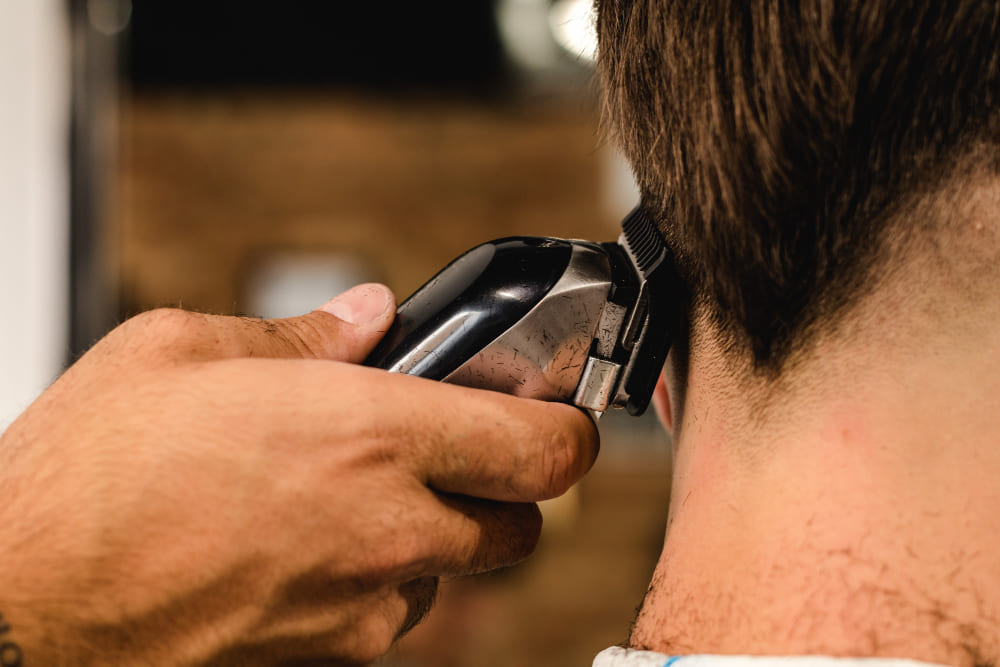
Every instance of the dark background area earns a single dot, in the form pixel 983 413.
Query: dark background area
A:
pixel 371 45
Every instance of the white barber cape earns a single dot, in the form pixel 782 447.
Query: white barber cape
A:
pixel 620 657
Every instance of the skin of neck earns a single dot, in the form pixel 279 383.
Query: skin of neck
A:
pixel 857 512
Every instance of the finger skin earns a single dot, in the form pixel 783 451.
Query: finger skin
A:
pixel 490 445
pixel 178 336
pixel 373 620
pixel 198 487
pixel 487 520
pixel 458 440
pixel 495 535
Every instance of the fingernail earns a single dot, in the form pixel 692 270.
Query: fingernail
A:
pixel 359 305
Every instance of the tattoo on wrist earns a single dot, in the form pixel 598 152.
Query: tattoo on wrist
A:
pixel 10 653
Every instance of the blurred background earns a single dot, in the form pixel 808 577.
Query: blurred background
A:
pixel 258 157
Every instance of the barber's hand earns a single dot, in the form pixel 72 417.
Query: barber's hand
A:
pixel 218 490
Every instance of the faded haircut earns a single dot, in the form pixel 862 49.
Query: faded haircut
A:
pixel 773 141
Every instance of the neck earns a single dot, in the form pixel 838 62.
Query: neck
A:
pixel 859 519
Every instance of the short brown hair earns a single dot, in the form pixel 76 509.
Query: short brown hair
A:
pixel 774 140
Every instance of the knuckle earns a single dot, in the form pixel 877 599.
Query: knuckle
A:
pixel 377 643
pixel 309 335
pixel 528 529
pixel 395 610
pixel 161 320
pixel 388 564
pixel 560 465
pixel 509 534
pixel 393 553
pixel 160 332
pixel 373 639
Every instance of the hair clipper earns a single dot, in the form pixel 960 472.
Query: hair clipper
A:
pixel 552 319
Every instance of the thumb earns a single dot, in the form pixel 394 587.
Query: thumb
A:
pixel 365 313
pixel 362 305
pixel 346 328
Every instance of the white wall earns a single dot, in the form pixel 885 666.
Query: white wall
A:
pixel 34 209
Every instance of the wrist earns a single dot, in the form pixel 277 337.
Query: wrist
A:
pixel 11 654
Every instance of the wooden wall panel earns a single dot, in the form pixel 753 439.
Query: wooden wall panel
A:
pixel 211 183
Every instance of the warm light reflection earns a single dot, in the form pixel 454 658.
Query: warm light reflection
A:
pixel 572 25
pixel 534 32
pixel 526 36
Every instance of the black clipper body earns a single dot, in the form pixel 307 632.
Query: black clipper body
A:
pixel 545 318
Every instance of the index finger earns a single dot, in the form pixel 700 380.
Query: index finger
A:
pixel 453 439
pixel 491 445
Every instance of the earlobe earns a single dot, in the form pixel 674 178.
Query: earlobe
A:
pixel 661 401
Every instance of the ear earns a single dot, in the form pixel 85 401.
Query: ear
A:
pixel 662 403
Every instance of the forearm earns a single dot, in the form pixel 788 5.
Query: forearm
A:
pixel 11 653
pixel 15 633
pixel 28 631
pixel 38 604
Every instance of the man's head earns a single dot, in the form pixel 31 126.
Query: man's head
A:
pixel 828 175
pixel 785 147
